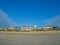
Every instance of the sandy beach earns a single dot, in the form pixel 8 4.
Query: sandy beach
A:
pixel 39 32
pixel 30 38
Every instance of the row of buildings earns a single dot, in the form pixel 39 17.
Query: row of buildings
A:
pixel 28 28
pixel 22 28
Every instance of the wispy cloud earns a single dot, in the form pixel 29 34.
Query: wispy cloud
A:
pixel 5 21
pixel 55 21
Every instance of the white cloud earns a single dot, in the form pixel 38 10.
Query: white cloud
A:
pixel 5 21
pixel 55 21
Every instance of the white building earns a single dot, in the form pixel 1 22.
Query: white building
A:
pixel 48 28
pixel 34 27
pixel 25 28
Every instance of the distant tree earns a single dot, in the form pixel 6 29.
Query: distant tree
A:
pixel 55 27
pixel 59 28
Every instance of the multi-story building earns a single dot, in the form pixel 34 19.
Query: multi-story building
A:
pixel 48 28
pixel 34 27
pixel 25 28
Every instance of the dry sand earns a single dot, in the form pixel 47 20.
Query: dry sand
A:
pixel 41 32
pixel 30 38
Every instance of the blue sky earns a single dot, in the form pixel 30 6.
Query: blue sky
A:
pixel 31 12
